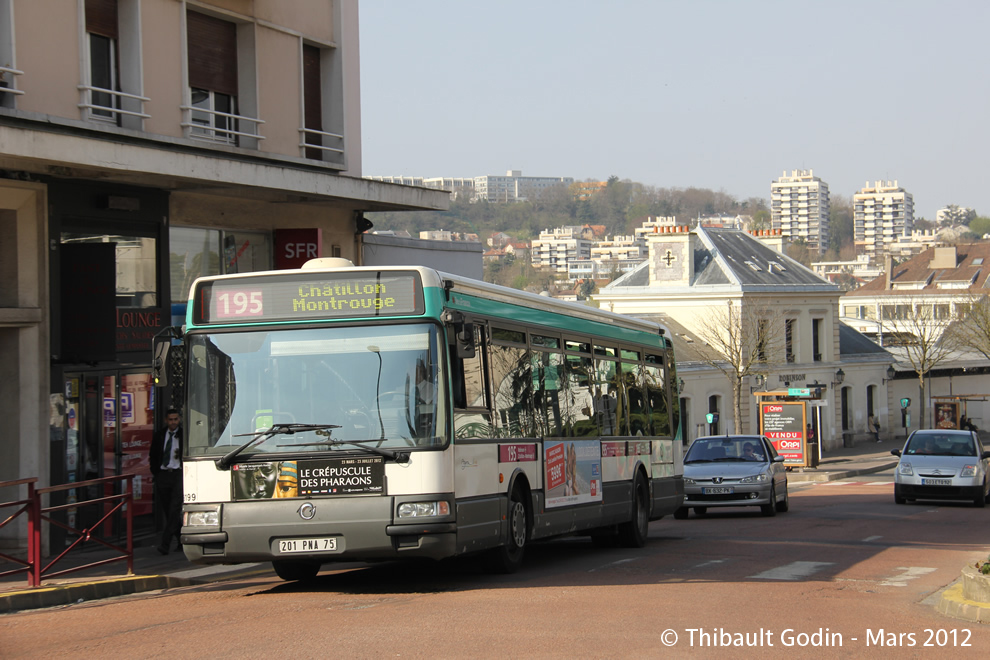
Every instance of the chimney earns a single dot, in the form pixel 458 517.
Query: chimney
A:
pixel 944 257
pixel 888 266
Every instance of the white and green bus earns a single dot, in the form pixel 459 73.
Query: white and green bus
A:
pixel 340 413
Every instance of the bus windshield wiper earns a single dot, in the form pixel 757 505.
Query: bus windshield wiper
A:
pixel 225 461
pixel 397 456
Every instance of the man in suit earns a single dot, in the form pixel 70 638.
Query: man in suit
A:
pixel 165 461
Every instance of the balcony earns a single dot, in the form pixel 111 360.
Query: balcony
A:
pixel 329 145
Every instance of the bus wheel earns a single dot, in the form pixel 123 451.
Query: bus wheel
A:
pixel 508 557
pixel 295 571
pixel 633 533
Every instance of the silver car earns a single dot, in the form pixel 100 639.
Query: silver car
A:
pixel 942 465
pixel 734 470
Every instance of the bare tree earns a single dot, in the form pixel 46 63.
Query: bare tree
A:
pixel 920 326
pixel 972 326
pixel 742 339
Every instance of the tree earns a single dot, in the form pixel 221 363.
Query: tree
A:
pixel 980 226
pixel 972 327
pixel 920 326
pixel 742 339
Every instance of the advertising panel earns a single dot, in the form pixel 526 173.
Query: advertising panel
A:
pixel 783 424
pixel 331 476
pixel 573 472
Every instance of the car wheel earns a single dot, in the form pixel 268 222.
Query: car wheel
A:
pixel 681 513
pixel 295 571
pixel 700 510
pixel 770 509
pixel 898 498
pixel 785 504
pixel 981 500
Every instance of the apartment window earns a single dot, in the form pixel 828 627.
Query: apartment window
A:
pixel 212 56
pixel 816 339
pixel 312 101
pixel 102 35
pixel 8 70
pixel 789 339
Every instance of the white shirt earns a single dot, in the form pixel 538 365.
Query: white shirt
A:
pixel 170 462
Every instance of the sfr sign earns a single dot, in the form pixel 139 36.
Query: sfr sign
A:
pixel 294 247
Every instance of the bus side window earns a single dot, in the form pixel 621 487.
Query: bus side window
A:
pixel 469 376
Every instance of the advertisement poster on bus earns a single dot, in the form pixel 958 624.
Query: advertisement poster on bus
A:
pixel 783 424
pixel 573 472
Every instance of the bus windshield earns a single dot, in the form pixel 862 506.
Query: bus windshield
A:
pixel 375 382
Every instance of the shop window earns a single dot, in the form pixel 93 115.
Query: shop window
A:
pixel 136 264
pixel 195 252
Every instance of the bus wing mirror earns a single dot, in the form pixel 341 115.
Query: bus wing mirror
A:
pixel 464 340
pixel 159 361
pixel 161 344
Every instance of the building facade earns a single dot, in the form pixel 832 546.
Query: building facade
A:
pixel 556 248
pixel 799 207
pixel 514 187
pixel 883 214
pixel 144 143
pixel 690 276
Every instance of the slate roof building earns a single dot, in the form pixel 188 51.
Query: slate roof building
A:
pixel 688 274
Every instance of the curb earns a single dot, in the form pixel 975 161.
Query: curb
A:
pixel 952 603
pixel 843 474
pixel 65 594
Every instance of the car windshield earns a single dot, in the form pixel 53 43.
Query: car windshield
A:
pixel 726 449
pixel 316 387
pixel 941 444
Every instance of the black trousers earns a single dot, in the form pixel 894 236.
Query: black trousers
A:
pixel 168 497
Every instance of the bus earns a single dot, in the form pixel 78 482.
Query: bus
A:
pixel 340 413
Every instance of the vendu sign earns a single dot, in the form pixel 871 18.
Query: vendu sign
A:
pixel 784 425
pixel 294 247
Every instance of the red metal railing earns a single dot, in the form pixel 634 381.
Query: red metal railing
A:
pixel 110 504
pixel 26 506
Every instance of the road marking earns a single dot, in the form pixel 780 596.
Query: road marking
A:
pixel 871 538
pixel 708 563
pixel 614 563
pixel 793 571
pixel 909 573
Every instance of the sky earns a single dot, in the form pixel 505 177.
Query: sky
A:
pixel 726 95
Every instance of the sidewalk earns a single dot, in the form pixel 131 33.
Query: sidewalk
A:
pixel 153 571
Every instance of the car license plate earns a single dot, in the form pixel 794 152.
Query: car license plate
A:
pixel 721 490
pixel 936 482
pixel 317 544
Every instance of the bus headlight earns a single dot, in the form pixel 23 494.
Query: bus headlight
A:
pixel 421 509
pixel 208 518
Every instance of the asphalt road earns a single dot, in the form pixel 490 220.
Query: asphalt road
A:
pixel 845 571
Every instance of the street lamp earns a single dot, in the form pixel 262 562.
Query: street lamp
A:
pixel 891 372
pixel 840 376
pixel 680 385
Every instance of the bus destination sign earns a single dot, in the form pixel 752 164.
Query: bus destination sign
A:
pixel 310 296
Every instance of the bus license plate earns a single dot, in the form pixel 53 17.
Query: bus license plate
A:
pixel 936 482
pixel 318 544
pixel 721 490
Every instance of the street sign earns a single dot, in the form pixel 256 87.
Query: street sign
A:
pixel 799 391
